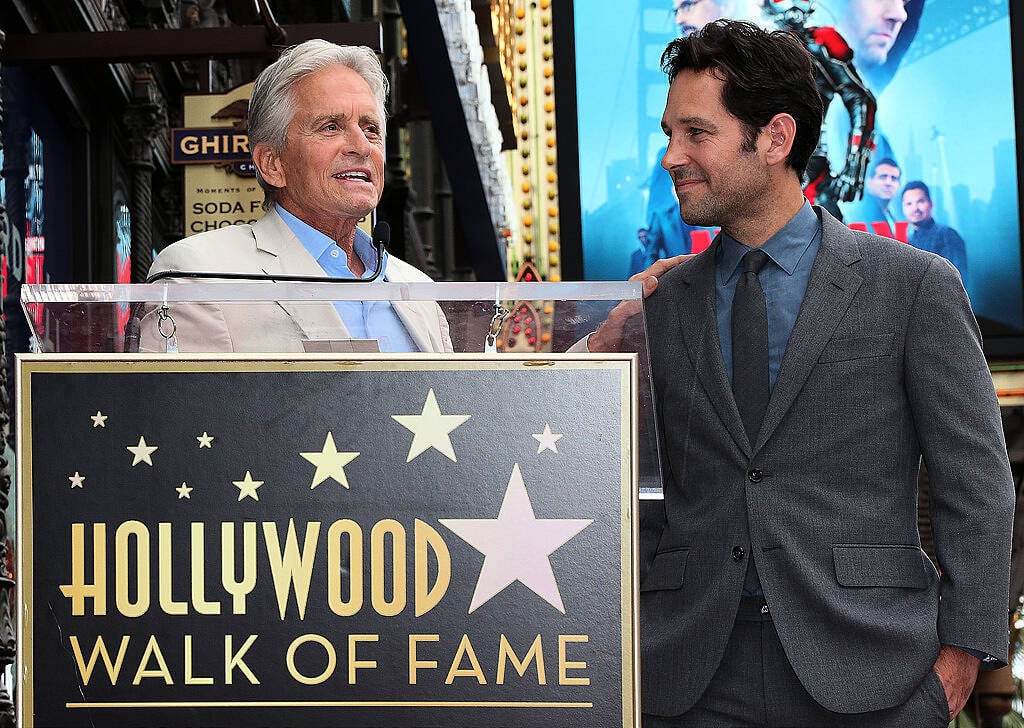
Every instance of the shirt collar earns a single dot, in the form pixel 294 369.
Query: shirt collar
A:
pixel 925 224
pixel 317 244
pixel 786 247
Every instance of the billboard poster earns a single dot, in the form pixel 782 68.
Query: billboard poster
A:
pixel 942 173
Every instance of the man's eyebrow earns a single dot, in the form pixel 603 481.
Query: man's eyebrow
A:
pixel 692 121
pixel 341 116
pixel 330 116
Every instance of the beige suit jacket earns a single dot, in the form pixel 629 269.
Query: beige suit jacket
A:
pixel 269 247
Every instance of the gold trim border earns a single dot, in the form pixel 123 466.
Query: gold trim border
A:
pixel 335 704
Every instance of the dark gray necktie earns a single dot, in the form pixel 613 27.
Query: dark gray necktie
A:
pixel 750 345
pixel 750 384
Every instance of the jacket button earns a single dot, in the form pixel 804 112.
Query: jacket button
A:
pixel 755 476
pixel 737 553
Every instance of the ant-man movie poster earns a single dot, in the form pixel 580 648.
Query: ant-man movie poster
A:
pixel 918 142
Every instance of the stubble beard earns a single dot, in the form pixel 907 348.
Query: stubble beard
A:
pixel 723 209
pixel 704 212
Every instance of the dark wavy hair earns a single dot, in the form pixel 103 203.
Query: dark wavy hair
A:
pixel 765 73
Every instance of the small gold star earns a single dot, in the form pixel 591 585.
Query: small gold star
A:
pixel 329 462
pixel 205 440
pixel 247 487
pixel 183 491
pixel 76 480
pixel 99 419
pixel 142 451
pixel 431 429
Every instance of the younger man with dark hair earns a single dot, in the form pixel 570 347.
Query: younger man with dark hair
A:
pixel 880 188
pixel 801 371
pixel 928 234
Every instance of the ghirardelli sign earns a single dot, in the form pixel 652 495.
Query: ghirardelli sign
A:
pixel 220 184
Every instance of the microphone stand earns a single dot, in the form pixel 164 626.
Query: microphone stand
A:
pixel 132 330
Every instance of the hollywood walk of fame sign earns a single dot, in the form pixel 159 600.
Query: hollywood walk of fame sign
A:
pixel 381 541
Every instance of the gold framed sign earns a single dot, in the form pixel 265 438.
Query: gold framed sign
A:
pixel 378 540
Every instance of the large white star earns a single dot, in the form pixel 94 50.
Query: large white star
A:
pixel 247 487
pixel 142 451
pixel 430 428
pixel 547 440
pixel 329 462
pixel 516 545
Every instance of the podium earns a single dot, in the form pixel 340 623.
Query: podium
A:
pixel 328 535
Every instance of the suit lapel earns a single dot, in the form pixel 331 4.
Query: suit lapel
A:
pixel 699 324
pixel 830 291
pixel 418 317
pixel 281 252
pixel 415 315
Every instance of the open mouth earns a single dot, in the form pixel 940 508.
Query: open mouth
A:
pixel 359 176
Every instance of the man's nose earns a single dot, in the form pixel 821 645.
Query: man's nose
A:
pixel 895 11
pixel 674 158
pixel 356 141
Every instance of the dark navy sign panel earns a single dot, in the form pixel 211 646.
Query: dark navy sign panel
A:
pixel 388 541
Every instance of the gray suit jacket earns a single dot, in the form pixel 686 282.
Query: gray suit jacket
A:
pixel 884 365
pixel 268 247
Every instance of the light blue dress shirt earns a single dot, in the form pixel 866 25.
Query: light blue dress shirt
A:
pixel 363 319
pixel 784 280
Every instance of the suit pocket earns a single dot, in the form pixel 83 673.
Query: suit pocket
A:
pixel 880 565
pixel 861 347
pixel 667 571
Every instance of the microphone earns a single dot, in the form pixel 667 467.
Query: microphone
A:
pixel 381 237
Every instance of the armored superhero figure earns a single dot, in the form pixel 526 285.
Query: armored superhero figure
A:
pixel 835 74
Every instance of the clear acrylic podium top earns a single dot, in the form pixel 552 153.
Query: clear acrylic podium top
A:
pixel 177 317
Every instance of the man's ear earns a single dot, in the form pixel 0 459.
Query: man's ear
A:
pixel 781 133
pixel 268 162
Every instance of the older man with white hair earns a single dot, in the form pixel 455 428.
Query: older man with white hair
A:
pixel 316 131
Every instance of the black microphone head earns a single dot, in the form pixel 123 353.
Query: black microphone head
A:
pixel 381 234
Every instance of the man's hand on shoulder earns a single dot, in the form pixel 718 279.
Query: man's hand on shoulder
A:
pixel 957 671
pixel 611 335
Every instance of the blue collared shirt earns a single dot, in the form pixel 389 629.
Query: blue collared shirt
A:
pixel 784 279
pixel 363 319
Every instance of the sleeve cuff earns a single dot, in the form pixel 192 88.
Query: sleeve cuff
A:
pixel 988 662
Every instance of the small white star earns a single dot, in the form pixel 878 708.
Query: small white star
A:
pixel 76 480
pixel 142 451
pixel 329 462
pixel 183 491
pixel 431 429
pixel 547 440
pixel 99 419
pixel 205 440
pixel 247 487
